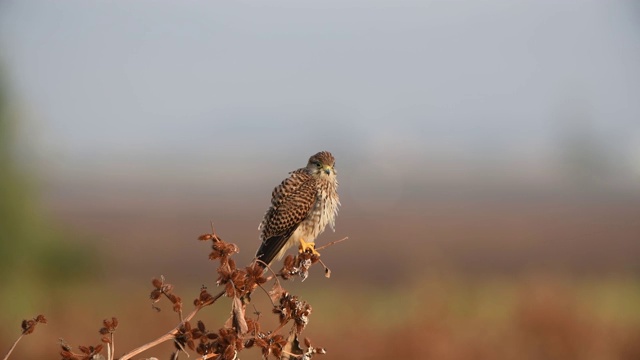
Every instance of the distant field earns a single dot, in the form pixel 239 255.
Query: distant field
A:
pixel 442 317
pixel 475 234
pixel 546 277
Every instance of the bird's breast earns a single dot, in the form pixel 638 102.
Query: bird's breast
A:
pixel 323 212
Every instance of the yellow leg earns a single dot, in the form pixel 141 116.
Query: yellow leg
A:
pixel 304 246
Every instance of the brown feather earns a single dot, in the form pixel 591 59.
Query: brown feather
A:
pixel 290 204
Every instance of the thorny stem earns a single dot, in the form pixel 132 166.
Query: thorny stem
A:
pixel 13 347
pixel 172 333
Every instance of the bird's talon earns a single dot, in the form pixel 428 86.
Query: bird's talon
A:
pixel 304 246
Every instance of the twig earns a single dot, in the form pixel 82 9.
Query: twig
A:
pixel 290 354
pixel 275 331
pixel 166 294
pixel 113 347
pixel 327 271
pixel 28 326
pixel 332 243
pixel 275 276
pixel 181 348
pixel 13 347
pixel 208 356
pixel 172 333
pixel 268 295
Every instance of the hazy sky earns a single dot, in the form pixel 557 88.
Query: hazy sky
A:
pixel 192 85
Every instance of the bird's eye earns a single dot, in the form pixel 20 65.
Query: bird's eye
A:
pixel 318 164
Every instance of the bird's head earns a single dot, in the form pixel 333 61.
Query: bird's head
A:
pixel 322 164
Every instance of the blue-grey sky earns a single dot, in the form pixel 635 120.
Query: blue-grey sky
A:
pixel 163 88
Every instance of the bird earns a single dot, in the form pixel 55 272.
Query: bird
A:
pixel 302 205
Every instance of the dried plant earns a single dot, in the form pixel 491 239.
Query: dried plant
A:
pixel 239 332
pixel 28 327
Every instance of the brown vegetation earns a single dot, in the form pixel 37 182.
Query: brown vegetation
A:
pixel 241 330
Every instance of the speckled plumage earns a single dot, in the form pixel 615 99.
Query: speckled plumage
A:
pixel 301 207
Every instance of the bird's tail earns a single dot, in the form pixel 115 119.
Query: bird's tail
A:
pixel 273 248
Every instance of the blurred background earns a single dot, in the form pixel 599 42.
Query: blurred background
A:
pixel 488 157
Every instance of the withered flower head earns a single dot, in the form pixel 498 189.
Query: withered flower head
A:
pixel 203 298
pixel 254 276
pixel 86 352
pixel 177 303
pixel 205 237
pixel 110 326
pixel 276 344
pixel 298 265
pixel 157 283
pixel 184 337
pixel 311 350
pixel 162 288
pixel 222 251
pixel 28 326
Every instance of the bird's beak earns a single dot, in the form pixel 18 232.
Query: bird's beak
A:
pixel 327 170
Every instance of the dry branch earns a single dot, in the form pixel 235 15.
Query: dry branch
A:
pixel 236 334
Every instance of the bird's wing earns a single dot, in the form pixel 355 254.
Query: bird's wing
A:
pixel 291 202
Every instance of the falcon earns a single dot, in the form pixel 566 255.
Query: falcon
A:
pixel 301 207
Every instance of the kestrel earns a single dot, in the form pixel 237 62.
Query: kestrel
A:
pixel 301 207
